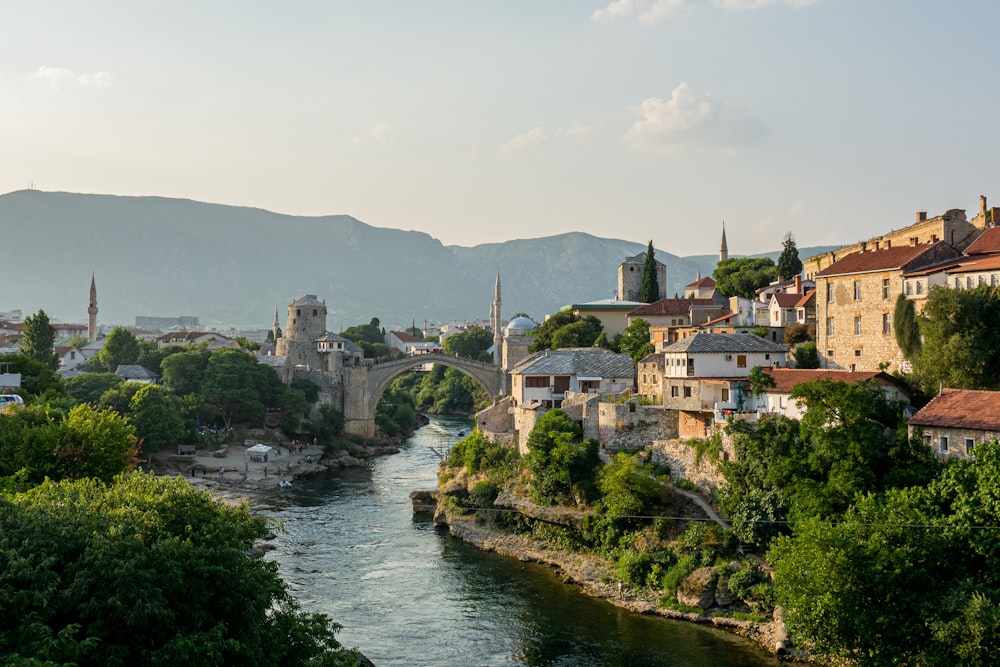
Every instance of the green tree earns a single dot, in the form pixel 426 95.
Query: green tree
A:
pixel 906 327
pixel 961 340
pixel 365 333
pixel 634 340
pixel 38 340
pixel 146 570
pixel 38 380
pixel 563 468
pixel 89 387
pixel 237 388
pixel 742 276
pixel 796 333
pixel 183 372
pixel 806 355
pixel 471 344
pixel 760 380
pixel 120 348
pixel 156 415
pixel 789 264
pixel 650 283
pixel 564 329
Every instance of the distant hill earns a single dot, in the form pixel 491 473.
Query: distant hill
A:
pixel 233 265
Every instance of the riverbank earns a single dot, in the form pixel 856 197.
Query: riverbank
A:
pixel 597 578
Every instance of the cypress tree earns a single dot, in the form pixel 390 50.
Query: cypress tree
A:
pixel 789 264
pixel 906 328
pixel 650 285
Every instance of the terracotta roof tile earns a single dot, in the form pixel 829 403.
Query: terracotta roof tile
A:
pixel 808 299
pixel 786 300
pixel 786 378
pixel 704 282
pixel 961 408
pixel 988 242
pixel 671 307
pixel 882 259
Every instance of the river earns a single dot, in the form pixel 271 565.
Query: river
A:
pixel 410 595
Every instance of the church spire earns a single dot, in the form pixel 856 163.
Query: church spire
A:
pixel 92 310
pixel 723 248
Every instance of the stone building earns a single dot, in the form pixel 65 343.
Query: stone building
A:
pixel 516 341
pixel 956 420
pixel 630 274
pixel 855 299
pixel 952 227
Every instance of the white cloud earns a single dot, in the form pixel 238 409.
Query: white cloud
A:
pixel 524 141
pixel 688 120
pixel 651 12
pixel 56 76
pixel 575 131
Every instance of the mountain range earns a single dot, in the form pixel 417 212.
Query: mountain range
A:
pixel 232 266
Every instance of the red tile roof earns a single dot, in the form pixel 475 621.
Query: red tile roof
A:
pixel 887 258
pixel 975 264
pixel 670 307
pixel 786 300
pixel 961 408
pixel 988 242
pixel 404 337
pixel 786 378
pixel 704 282
pixel 808 299
pixel 718 320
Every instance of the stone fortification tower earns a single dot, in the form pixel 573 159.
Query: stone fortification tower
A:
pixel 92 311
pixel 630 277
pixel 305 325
pixel 497 324
pixel 723 248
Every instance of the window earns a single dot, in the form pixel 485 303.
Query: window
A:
pixel 673 392
pixel 969 444
pixel 741 361
pixel 920 287
pixel 982 280
pixel 829 326
pixel 536 381
pixel 690 366
pixel 958 283
pixel 644 378
pixel 829 353
pixel 944 444
pixel 993 280
pixel 725 394
pixel 829 292
pixel 857 352
pixel 968 282
pixel 687 392
pixel 908 288
pixel 927 440
pixel 857 325
pixel 886 324
pixel 315 312
pixel 857 290
pixel 885 288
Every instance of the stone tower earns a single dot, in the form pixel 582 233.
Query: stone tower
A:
pixel 497 324
pixel 92 311
pixel 630 274
pixel 305 325
pixel 723 248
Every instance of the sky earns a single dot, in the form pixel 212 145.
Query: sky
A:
pixel 485 121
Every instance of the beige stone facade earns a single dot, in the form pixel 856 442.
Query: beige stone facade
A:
pixel 855 300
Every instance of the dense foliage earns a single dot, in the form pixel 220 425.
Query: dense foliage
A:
pixel 742 276
pixel 564 329
pixel 38 340
pixel 634 340
pixel 650 283
pixel 472 344
pixel 143 570
pixel 789 264
pixel 562 464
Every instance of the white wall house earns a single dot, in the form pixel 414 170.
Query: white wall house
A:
pixel 545 377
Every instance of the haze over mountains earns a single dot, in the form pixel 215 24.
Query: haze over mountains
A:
pixel 233 266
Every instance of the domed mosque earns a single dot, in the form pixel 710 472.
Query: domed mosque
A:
pixel 516 341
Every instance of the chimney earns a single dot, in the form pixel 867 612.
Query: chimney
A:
pixel 888 243
pixel 877 244
pixel 921 216
pixel 798 284
pixel 913 241
pixel 982 205
pixel 864 246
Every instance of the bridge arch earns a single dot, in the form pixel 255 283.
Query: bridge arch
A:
pixel 361 419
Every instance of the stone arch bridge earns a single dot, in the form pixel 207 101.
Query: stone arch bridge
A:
pixel 366 384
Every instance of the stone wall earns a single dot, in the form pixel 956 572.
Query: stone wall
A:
pixel 648 424
pixel 681 457
pixel 498 418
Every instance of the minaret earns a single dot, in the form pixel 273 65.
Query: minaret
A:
pixel 92 311
pixel 274 327
pixel 723 249
pixel 497 323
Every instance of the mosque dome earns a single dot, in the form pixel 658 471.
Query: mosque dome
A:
pixel 520 324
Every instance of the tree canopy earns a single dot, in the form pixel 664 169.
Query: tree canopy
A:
pixel 471 344
pixel 650 283
pixel 120 347
pixel 634 340
pixel 563 466
pixel 39 339
pixel 789 264
pixel 564 329
pixel 144 570
pixel 743 276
